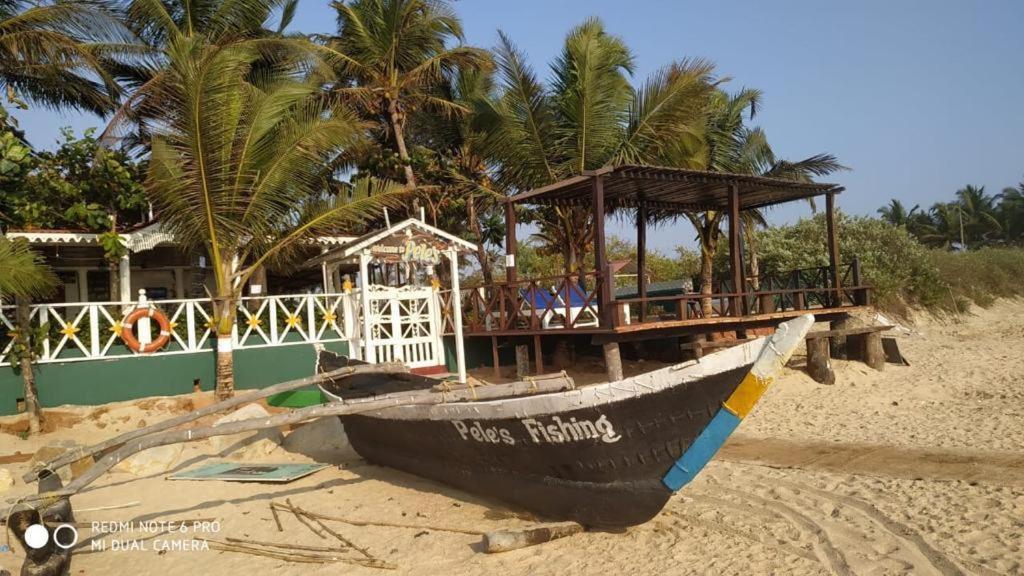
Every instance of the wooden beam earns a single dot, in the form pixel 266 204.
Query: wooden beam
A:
pixel 833 247
pixel 641 257
pixel 600 261
pixel 735 258
pixel 510 243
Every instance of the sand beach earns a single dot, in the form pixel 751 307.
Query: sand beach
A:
pixel 914 470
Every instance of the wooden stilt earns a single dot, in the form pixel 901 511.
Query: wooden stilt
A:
pixel 494 357
pixel 563 357
pixel 538 353
pixel 874 355
pixel 818 365
pixel 522 360
pixel 839 346
pixel 612 361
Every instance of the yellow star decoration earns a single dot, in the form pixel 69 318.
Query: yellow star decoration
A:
pixel 435 282
pixel 211 324
pixel 116 327
pixel 172 325
pixel 293 321
pixel 330 317
pixel 69 331
pixel 254 322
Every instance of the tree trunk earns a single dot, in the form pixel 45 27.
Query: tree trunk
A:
pixel 28 377
pixel 115 281
pixel 398 128
pixel 481 250
pixel 755 266
pixel 224 311
pixel 709 245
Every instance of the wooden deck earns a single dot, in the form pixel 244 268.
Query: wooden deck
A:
pixel 571 305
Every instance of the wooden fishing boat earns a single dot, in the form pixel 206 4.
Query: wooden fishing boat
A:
pixel 606 455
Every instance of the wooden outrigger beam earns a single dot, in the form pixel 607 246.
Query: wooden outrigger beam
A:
pixel 73 456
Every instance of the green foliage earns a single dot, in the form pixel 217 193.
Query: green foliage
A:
pixel 976 218
pixel 80 185
pixel 898 267
pixel 22 271
pixel 981 276
pixel 60 54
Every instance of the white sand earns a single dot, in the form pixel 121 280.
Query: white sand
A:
pixel 963 394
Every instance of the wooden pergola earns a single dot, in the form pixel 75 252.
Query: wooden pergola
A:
pixel 657 191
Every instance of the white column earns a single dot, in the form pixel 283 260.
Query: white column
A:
pixel 83 284
pixel 179 282
pixel 364 296
pixel 460 348
pixel 124 272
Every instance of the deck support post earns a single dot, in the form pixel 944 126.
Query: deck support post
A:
pixel 818 364
pixel 641 258
pixel 600 262
pixel 522 361
pixel 612 361
pixel 538 352
pixel 833 249
pixel 735 255
pixel 510 243
pixel 874 354
pixel 495 358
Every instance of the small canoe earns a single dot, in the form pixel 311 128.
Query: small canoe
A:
pixel 607 455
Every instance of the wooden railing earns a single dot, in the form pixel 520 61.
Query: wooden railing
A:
pixel 567 302
pixel 542 303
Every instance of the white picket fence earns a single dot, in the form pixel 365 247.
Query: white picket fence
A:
pixel 91 331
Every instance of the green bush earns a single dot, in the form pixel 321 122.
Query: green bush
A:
pixel 981 276
pixel 900 269
pixel 897 266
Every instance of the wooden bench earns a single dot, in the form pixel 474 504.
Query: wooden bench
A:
pixel 697 347
pixel 862 343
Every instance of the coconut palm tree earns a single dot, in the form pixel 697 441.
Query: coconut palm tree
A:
pixel 1011 208
pixel 589 116
pixel 24 276
pixel 238 167
pixel 164 29
pixel 391 56
pixel 732 146
pixel 59 54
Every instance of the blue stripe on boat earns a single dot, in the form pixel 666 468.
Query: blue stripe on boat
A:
pixel 702 450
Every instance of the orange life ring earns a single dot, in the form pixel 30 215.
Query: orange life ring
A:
pixel 129 336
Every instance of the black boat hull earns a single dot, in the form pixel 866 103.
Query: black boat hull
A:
pixel 608 455
pixel 613 479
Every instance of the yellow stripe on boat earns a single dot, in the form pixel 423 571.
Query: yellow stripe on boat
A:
pixel 743 398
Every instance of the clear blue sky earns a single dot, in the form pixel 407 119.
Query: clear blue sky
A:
pixel 918 97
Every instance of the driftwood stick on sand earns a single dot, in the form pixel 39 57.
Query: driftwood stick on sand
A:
pixel 304 521
pixel 505 540
pixel 354 406
pixel 277 519
pixel 76 455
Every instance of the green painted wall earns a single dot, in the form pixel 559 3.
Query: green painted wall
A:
pixel 102 381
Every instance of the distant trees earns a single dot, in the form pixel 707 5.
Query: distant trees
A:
pixel 974 219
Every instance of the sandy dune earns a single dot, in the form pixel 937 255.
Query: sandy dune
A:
pixel 915 470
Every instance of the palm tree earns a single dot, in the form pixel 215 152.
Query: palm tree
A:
pixel 896 214
pixel 390 57
pixel 731 146
pixel 1011 208
pixel 590 116
pixel 979 212
pixel 239 168
pixel 58 54
pixel 24 276
pixel 165 29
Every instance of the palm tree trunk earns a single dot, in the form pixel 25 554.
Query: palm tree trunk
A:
pixel 398 128
pixel 709 245
pixel 224 313
pixel 481 250
pixel 114 273
pixel 28 377
pixel 755 266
